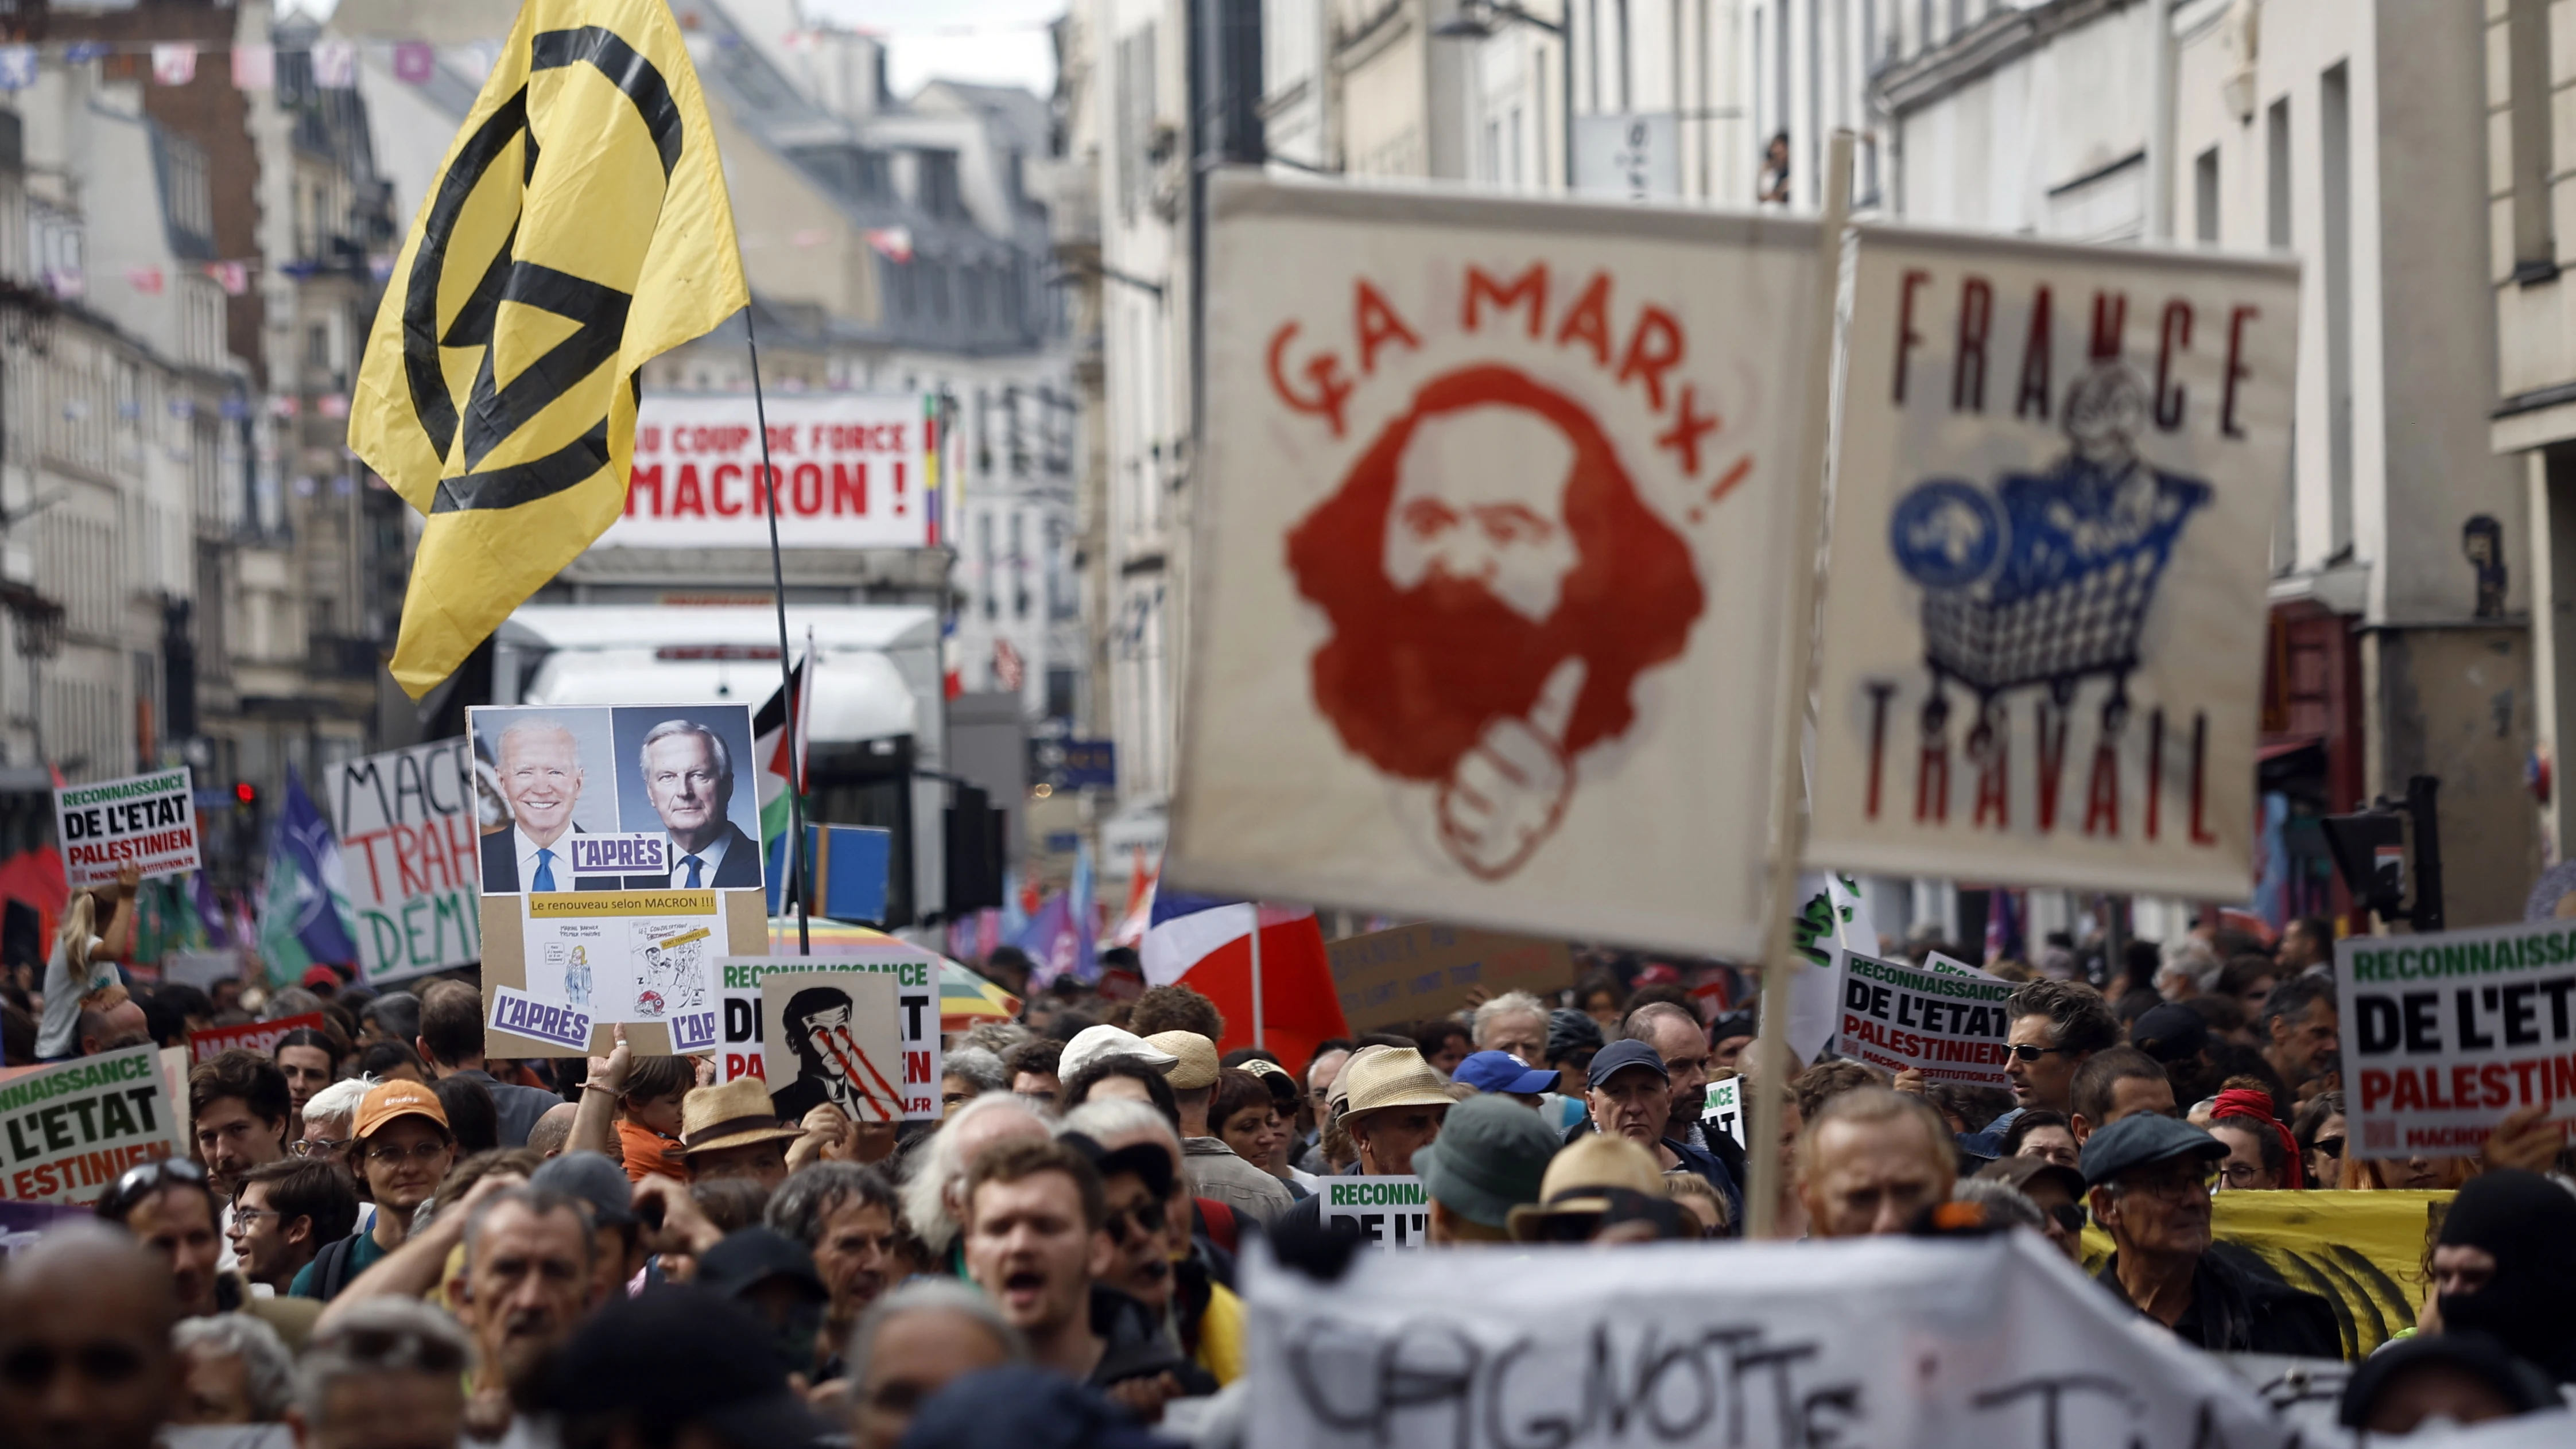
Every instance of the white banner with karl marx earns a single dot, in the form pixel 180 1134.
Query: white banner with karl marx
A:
pixel 2045 606
pixel 1494 543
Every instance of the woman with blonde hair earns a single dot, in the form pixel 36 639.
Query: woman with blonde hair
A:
pixel 80 972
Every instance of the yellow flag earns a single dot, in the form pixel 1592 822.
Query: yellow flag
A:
pixel 579 228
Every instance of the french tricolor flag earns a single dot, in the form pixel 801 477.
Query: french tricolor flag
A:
pixel 1206 943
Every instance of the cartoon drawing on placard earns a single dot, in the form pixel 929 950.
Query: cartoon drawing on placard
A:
pixel 1495 587
pixel 833 1041
pixel 675 975
pixel 574 962
pixel 2047 579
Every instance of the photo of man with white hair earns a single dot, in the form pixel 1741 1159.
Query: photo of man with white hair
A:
pixel 538 761
pixel 688 774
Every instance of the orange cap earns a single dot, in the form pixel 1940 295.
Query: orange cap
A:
pixel 388 1100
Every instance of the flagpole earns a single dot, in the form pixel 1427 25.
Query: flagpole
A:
pixel 1257 1033
pixel 789 873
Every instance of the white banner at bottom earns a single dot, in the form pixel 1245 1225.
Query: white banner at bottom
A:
pixel 1994 1342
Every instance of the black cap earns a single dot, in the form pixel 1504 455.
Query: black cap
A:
pixel 1620 1055
pixel 2020 1172
pixel 678 1354
pixel 1570 1031
pixel 752 1256
pixel 1151 1164
pixel 2170 1033
pixel 2479 1355
pixel 1735 1024
pixel 2142 1141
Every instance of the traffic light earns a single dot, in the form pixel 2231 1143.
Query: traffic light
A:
pixel 2370 853
pixel 245 794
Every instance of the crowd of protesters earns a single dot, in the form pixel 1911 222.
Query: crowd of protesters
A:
pixel 388 1241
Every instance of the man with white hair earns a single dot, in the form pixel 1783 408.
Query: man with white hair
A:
pixel 388 1374
pixel 328 1133
pixel 233 1369
pixel 2189 968
pixel 1513 1022
pixel 947 1330
pixel 932 1205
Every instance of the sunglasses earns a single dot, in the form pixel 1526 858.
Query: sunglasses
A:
pixel 1148 1217
pixel 141 1182
pixel 2330 1146
pixel 2025 1052
pixel 2068 1217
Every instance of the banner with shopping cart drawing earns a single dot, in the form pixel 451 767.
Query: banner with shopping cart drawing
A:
pixel 2057 474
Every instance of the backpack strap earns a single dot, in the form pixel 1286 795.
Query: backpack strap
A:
pixel 331 1268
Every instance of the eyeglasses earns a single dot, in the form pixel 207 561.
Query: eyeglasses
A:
pixel 2330 1146
pixel 244 1217
pixel 1148 1218
pixel 423 1153
pixel 319 1147
pixel 2239 1175
pixel 2171 1187
pixel 142 1181
pixel 2025 1052
pixel 391 1349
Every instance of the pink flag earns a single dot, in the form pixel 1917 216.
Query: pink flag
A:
pixel 233 277
pixel 255 67
pixel 335 65
pixel 414 62
pixel 147 280
pixel 174 63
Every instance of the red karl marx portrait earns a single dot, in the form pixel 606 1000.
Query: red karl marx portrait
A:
pixel 1495 586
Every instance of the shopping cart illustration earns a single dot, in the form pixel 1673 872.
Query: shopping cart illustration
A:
pixel 2045 580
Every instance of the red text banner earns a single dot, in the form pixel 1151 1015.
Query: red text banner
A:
pixel 2043 633
pixel 257 1036
pixel 408 842
pixel 848 468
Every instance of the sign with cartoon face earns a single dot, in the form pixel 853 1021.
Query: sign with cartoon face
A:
pixel 2044 606
pixel 1493 548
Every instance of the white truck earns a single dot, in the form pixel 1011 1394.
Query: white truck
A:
pixel 876 746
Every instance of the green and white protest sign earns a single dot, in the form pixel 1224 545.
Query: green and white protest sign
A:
pixel 744 1033
pixel 2445 1034
pixel 1724 1112
pixel 1948 1024
pixel 149 821
pixel 68 1131
pixel 1390 1212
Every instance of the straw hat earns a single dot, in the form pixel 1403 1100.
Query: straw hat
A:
pixel 1396 1077
pixel 736 1114
pixel 1581 1178
pixel 1193 1059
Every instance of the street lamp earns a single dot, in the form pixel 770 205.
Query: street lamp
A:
pixel 1484 19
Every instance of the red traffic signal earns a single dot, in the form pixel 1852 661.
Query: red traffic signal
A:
pixel 245 792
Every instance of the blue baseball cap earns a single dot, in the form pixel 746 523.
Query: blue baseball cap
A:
pixel 1503 1072
pixel 1618 1056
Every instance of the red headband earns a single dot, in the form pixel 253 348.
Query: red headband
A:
pixel 2246 1103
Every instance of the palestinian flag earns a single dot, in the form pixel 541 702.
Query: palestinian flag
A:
pixel 779 735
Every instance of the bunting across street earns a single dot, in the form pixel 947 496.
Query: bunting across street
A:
pixel 579 228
